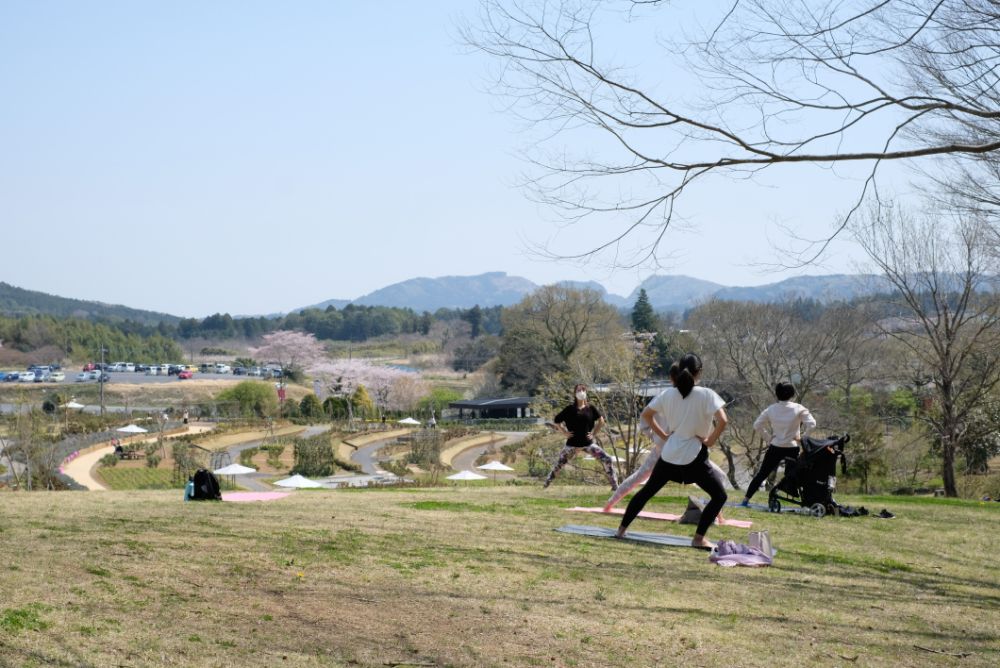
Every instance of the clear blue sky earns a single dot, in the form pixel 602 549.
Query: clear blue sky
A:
pixel 250 157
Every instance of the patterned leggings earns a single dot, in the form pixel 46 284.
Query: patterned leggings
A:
pixel 596 452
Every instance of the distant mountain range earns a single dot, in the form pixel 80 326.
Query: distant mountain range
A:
pixel 666 293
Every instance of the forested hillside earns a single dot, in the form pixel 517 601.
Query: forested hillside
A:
pixel 16 301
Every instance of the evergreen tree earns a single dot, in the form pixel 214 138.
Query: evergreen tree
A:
pixel 643 316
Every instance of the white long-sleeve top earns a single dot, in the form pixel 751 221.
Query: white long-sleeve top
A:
pixel 779 424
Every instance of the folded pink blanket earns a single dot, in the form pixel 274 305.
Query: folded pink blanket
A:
pixel 247 497
pixel 729 553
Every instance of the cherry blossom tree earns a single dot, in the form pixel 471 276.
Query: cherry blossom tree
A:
pixel 390 388
pixel 290 350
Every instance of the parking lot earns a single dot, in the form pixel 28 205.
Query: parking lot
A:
pixel 134 378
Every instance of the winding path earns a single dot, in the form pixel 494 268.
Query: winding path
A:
pixel 466 460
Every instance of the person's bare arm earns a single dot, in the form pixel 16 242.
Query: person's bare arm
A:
pixel 650 415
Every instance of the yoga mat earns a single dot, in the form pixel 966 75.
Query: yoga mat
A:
pixel 761 506
pixel 247 497
pixel 667 517
pixel 634 536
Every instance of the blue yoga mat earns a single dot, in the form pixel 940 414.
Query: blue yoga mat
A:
pixel 635 536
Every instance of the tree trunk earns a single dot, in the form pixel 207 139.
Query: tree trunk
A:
pixel 948 466
pixel 730 464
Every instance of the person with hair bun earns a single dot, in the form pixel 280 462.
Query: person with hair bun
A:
pixel 782 425
pixel 689 411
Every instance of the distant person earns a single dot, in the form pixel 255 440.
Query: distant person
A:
pixel 581 422
pixel 432 423
pixel 690 411
pixel 185 417
pixel 782 425
pixel 641 474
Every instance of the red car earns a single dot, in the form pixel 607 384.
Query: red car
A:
pixel 184 375
pixel 89 366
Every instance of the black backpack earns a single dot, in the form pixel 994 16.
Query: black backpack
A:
pixel 206 486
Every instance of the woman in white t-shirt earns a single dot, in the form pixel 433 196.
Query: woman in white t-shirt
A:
pixel 690 411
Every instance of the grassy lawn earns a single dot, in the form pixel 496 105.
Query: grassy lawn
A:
pixel 120 479
pixel 475 576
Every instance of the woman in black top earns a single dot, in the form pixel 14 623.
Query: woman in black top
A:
pixel 580 422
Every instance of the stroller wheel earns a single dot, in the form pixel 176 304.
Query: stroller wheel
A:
pixel 774 505
pixel 817 510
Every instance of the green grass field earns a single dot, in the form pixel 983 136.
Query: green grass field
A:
pixel 477 577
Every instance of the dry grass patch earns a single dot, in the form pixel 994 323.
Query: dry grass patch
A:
pixel 477 577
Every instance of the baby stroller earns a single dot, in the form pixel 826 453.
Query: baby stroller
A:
pixel 812 476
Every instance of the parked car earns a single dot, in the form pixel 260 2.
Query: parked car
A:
pixel 222 368
pixel 95 374
pixel 89 366
pixel 12 377
pixel 83 376
pixel 57 376
pixel 184 375
pixel 104 377
pixel 239 371
pixel 27 377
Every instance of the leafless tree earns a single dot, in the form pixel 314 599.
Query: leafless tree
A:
pixel 618 377
pixel 796 82
pixel 750 347
pixel 942 282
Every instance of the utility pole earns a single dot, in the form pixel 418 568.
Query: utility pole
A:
pixel 100 378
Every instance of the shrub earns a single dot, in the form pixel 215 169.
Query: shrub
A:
pixel 246 456
pixel 310 407
pixel 108 460
pixel 314 456
pixel 251 397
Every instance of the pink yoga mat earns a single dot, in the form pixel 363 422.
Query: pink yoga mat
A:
pixel 247 497
pixel 668 517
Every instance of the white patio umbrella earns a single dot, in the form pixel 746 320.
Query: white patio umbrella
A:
pixel 234 469
pixel 131 429
pixel 466 475
pixel 298 481
pixel 494 466
pixel 409 421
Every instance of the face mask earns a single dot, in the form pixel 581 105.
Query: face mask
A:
pixel 581 396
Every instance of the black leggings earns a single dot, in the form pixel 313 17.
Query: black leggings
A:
pixel 774 456
pixel 700 472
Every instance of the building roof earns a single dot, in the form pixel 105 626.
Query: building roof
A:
pixel 507 402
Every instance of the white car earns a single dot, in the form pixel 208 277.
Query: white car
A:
pixel 83 376
pixel 26 377
pixel 57 376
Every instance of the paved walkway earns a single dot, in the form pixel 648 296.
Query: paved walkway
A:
pixel 82 468
pixel 465 460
